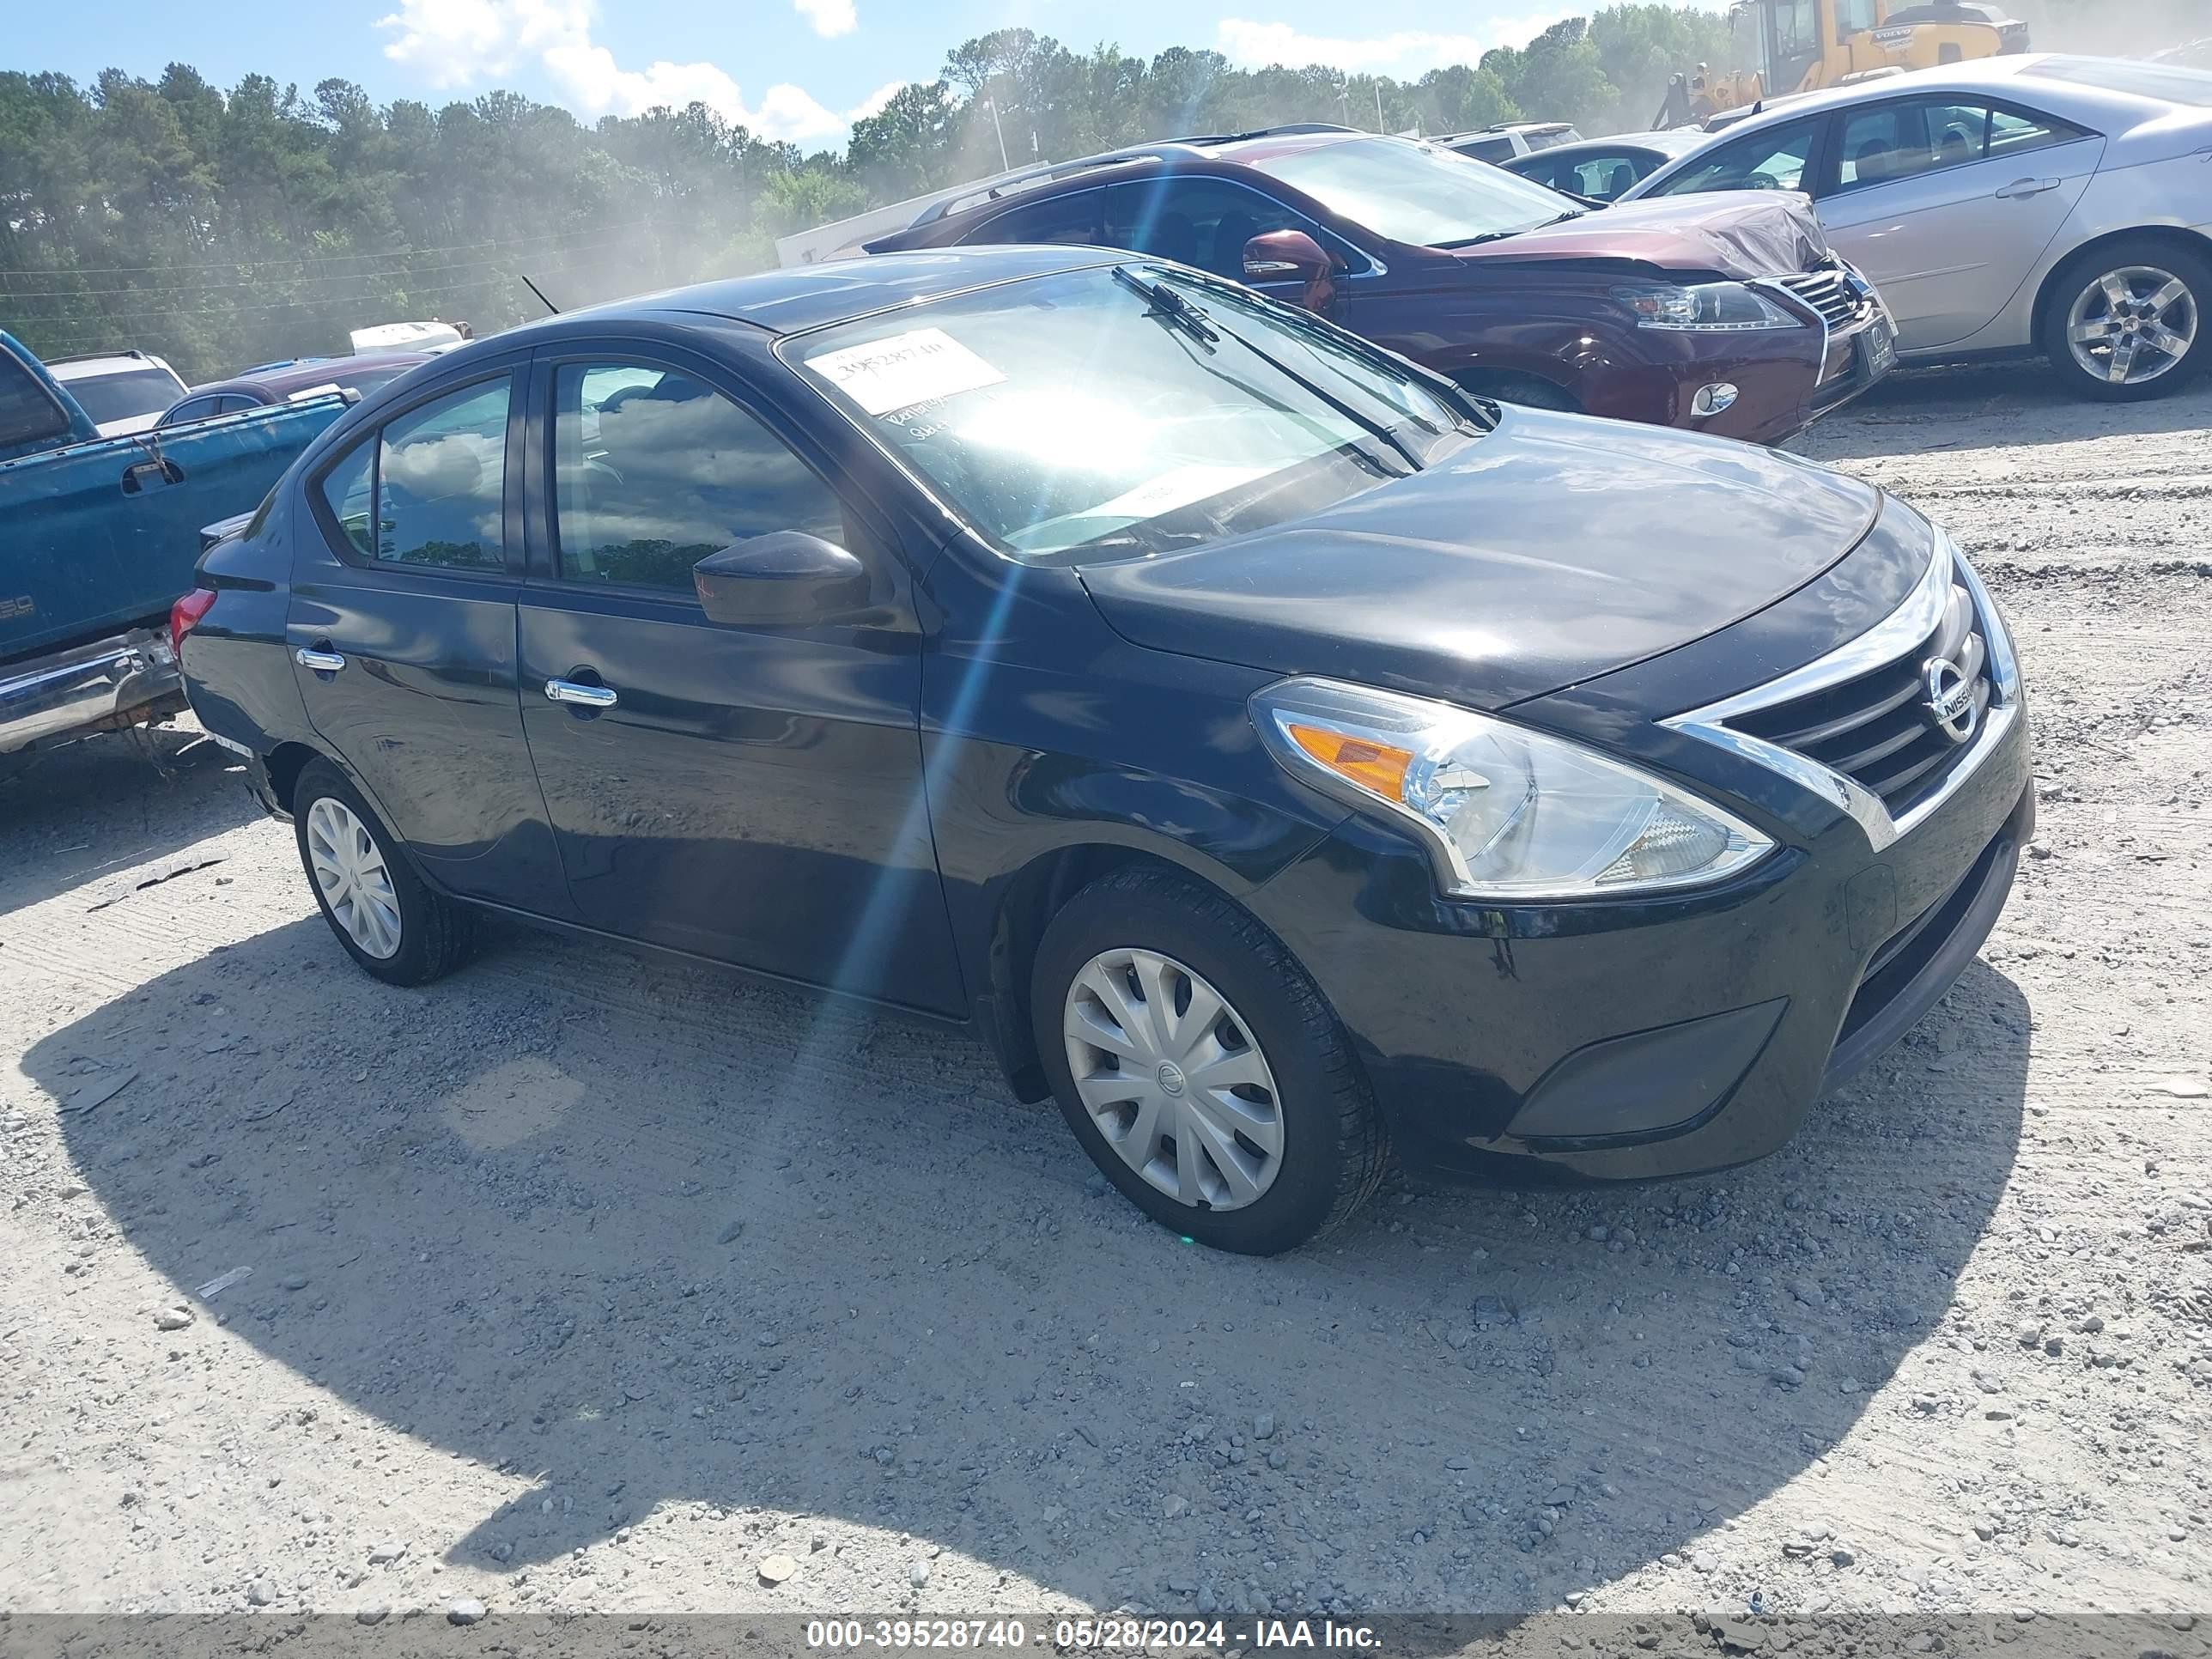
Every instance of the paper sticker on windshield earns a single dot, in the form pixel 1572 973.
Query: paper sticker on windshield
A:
pixel 905 370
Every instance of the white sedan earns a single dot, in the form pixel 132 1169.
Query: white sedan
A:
pixel 2035 202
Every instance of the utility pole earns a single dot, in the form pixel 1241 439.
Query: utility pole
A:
pixel 1378 106
pixel 1004 166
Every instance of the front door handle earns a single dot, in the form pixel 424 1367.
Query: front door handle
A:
pixel 589 697
pixel 2023 187
pixel 322 662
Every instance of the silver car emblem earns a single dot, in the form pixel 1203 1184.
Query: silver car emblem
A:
pixel 1948 699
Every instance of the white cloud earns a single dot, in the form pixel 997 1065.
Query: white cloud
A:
pixel 1405 53
pixel 829 17
pixel 874 102
pixel 460 43
pixel 452 43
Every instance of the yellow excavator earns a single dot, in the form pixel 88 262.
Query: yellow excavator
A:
pixel 1786 46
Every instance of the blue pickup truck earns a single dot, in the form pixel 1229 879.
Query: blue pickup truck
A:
pixel 98 536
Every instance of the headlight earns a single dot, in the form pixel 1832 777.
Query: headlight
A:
pixel 1704 307
pixel 1505 812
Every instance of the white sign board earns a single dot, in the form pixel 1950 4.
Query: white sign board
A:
pixel 903 370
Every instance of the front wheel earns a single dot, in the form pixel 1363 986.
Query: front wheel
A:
pixel 2127 323
pixel 389 921
pixel 1199 1066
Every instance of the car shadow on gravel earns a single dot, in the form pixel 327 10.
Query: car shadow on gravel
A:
pixel 124 797
pixel 2019 403
pixel 681 1245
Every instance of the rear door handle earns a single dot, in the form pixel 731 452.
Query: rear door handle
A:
pixel 2021 187
pixel 590 696
pixel 322 662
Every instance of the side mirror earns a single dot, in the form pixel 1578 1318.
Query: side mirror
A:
pixel 1283 255
pixel 788 576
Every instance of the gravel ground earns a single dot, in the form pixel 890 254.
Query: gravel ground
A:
pixel 583 1281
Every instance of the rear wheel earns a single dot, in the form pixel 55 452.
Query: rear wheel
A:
pixel 388 919
pixel 1199 1066
pixel 2128 324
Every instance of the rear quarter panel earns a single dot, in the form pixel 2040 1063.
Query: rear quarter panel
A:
pixel 236 671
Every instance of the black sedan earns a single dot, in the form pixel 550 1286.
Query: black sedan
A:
pixel 1602 169
pixel 1276 754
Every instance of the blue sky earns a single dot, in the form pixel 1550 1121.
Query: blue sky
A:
pixel 799 70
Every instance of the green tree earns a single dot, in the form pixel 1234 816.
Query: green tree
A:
pixel 226 227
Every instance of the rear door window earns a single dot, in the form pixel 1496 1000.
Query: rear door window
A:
pixel 195 409
pixel 428 488
pixel 1905 139
pixel 1602 177
pixel 1072 219
pixel 350 491
pixel 441 482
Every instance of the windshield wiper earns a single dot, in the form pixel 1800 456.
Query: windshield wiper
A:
pixel 1170 307
pixel 1518 230
pixel 1186 314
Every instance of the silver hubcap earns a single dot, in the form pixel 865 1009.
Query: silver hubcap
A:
pixel 2132 325
pixel 349 866
pixel 1170 1073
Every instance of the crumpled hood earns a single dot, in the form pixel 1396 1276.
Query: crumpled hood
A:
pixel 1732 234
pixel 1553 550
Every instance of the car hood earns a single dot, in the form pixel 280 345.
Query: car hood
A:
pixel 1726 235
pixel 1553 549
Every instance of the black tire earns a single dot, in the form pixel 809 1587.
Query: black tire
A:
pixel 1334 1146
pixel 1530 391
pixel 436 935
pixel 2081 274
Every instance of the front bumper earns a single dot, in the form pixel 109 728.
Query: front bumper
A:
pixel 1784 379
pixel 89 688
pixel 1659 1036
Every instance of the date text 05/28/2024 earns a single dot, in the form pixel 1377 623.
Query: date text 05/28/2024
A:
pixel 1089 1635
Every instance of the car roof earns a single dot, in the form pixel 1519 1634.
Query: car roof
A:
pixel 801 297
pixel 1189 153
pixel 1670 142
pixel 2018 73
pixel 93 364
pixel 286 378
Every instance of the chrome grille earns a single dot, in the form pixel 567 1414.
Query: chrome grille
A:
pixel 1828 291
pixel 1878 728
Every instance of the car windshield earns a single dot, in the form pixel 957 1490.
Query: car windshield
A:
pixel 1131 411
pixel 1415 192
pixel 119 397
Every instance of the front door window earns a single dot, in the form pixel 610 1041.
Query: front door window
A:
pixel 653 470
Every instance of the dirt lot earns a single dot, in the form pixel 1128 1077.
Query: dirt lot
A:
pixel 583 1281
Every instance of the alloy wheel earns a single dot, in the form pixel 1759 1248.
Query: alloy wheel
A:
pixel 1173 1080
pixel 2132 325
pixel 349 868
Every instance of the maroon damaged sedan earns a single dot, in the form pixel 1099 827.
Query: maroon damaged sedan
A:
pixel 1721 313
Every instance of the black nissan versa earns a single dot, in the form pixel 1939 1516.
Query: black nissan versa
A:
pixel 1278 754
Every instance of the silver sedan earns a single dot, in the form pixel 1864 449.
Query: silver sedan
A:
pixel 2030 204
